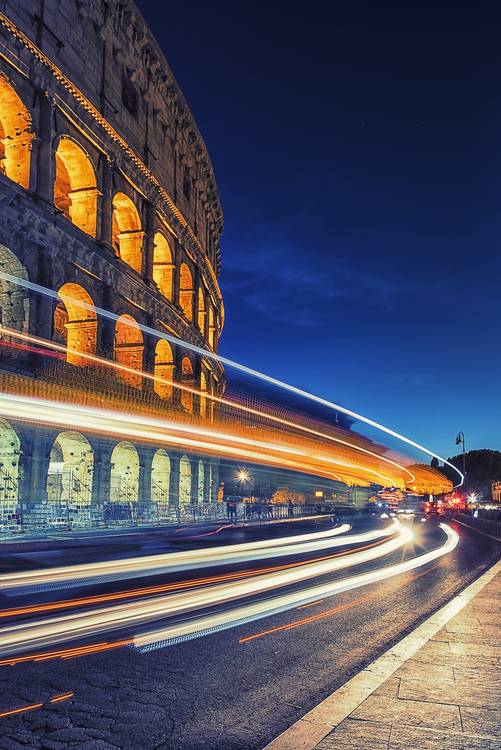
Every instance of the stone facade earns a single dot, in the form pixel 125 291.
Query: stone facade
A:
pixel 107 196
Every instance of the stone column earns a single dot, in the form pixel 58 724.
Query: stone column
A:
pixel 33 472
pixel 174 481
pixel 45 157
pixel 148 247
pixel 106 212
pixel 176 272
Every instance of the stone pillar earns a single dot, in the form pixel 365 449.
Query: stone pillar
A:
pixel 207 482
pixel 33 472
pixel 148 248
pixel 45 158
pixel 176 273
pixel 174 481
pixel 106 204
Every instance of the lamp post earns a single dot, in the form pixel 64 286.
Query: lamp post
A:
pixel 459 441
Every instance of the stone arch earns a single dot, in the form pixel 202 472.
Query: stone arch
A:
pixel 163 266
pixel 184 480
pixel 128 350
pixel 69 479
pixel 201 311
pixel 188 379
pixel 75 186
pixel 160 476
pixel 16 135
pixel 14 299
pixel 201 481
pixel 124 476
pixel 186 291
pixel 75 323
pixel 9 475
pixel 127 231
pixel 164 369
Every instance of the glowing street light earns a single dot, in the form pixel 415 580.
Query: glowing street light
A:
pixel 243 476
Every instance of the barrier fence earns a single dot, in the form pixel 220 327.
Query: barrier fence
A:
pixel 54 516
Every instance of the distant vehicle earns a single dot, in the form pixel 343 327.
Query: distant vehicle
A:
pixel 435 507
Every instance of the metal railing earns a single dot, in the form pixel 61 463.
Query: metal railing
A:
pixel 63 515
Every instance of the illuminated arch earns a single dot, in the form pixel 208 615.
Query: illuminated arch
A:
pixel 14 300
pixel 203 391
pixel 124 478
pixel 187 378
pixel 212 328
pixel 164 369
pixel 16 135
pixel 201 311
pixel 75 323
pixel 160 476
pixel 128 350
pixel 69 479
pixel 186 291
pixel 162 265
pixel 127 231
pixel 75 187
pixel 184 480
pixel 9 475
pixel 201 481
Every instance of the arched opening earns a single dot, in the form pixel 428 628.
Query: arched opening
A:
pixel 186 291
pixel 16 135
pixel 203 397
pixel 124 477
pixel 201 311
pixel 162 265
pixel 129 347
pixel 9 476
pixel 160 476
pixel 201 481
pixel 75 187
pixel 75 323
pixel 69 479
pixel 184 480
pixel 127 231
pixel 187 378
pixel 164 369
pixel 14 301
pixel 212 328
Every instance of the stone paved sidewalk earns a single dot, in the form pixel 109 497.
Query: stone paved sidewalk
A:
pixel 446 697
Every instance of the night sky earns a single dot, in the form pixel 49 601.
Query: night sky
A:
pixel 357 153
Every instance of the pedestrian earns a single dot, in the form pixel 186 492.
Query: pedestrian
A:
pixel 290 508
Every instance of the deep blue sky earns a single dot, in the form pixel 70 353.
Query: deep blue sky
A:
pixel 357 152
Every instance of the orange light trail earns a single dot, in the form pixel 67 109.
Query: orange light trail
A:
pixel 33 706
pixel 325 613
pixel 205 394
pixel 178 586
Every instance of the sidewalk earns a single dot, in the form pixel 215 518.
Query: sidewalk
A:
pixel 444 692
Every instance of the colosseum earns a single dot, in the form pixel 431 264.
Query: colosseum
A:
pixel 108 197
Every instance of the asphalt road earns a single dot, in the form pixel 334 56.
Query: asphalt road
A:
pixel 219 692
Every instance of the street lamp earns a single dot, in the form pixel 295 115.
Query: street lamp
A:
pixel 459 441
pixel 243 476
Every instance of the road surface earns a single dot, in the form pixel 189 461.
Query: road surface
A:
pixel 237 688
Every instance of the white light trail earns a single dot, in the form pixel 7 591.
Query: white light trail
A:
pixel 134 567
pixel 237 366
pixel 43 633
pixel 205 625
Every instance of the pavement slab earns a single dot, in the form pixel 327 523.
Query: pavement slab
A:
pixel 446 697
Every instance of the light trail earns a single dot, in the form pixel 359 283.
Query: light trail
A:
pixel 187 560
pixel 33 706
pixel 47 632
pixel 205 625
pixel 165 587
pixel 204 394
pixel 135 426
pixel 237 366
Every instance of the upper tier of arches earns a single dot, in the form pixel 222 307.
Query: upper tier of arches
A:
pixel 106 207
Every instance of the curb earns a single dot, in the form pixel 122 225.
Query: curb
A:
pixel 307 732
